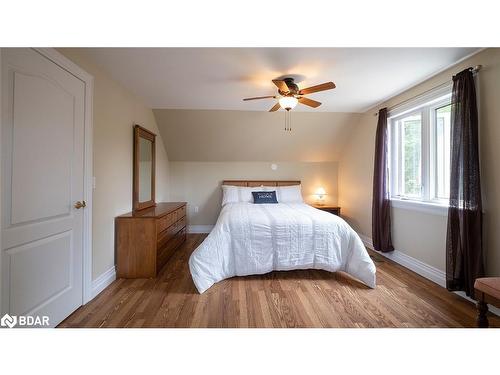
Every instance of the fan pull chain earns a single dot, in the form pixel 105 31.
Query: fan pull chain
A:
pixel 288 121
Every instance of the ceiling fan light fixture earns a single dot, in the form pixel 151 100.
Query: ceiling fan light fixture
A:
pixel 288 102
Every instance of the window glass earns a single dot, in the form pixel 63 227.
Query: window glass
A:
pixel 443 136
pixel 411 128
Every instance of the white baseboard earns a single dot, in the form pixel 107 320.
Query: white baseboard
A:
pixel 423 269
pixel 104 280
pixel 200 228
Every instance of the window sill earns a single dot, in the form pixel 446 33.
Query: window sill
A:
pixel 426 207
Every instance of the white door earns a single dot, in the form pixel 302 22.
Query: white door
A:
pixel 42 179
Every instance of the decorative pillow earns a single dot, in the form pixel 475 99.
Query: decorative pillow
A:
pixel 290 194
pixel 264 197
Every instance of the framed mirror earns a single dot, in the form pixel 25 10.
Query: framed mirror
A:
pixel 144 169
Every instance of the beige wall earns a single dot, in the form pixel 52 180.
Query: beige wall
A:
pixel 115 112
pixel 419 235
pixel 198 183
pixel 203 135
pixel 243 144
pixel 206 147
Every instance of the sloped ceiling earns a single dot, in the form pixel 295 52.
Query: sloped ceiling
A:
pixel 219 78
pixel 197 93
pixel 204 135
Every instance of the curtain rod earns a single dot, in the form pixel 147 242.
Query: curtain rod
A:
pixel 474 70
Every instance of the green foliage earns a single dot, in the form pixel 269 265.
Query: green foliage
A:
pixel 412 156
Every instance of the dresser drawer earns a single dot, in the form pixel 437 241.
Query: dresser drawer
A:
pixel 179 238
pixel 180 223
pixel 165 252
pixel 165 236
pixel 165 221
pixel 181 212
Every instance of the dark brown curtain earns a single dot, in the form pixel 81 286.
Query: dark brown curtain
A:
pixel 464 248
pixel 381 210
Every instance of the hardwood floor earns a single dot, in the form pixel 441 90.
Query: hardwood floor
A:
pixel 306 298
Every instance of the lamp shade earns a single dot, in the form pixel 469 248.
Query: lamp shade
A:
pixel 288 102
pixel 320 191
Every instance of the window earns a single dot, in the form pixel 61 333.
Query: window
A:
pixel 419 152
pixel 443 137
pixel 410 130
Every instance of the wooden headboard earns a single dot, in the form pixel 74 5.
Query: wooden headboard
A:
pixel 253 183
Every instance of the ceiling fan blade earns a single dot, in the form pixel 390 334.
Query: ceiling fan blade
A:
pixel 260 97
pixel 309 102
pixel 281 85
pixel 322 87
pixel 275 108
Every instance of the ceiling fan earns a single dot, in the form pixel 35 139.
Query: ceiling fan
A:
pixel 290 94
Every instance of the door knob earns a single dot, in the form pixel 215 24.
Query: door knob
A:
pixel 81 204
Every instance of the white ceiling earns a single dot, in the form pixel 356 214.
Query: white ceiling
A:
pixel 219 78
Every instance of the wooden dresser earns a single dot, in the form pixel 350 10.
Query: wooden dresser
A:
pixel 146 239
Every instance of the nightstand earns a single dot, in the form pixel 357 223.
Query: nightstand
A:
pixel 331 209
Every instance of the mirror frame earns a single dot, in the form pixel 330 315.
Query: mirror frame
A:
pixel 140 132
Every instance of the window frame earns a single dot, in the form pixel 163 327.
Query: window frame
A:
pixel 433 185
pixel 397 165
pixel 425 105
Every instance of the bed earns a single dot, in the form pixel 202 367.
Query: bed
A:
pixel 250 239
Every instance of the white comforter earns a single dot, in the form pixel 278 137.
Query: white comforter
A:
pixel 253 239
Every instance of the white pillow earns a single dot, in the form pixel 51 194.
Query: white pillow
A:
pixel 289 194
pixel 245 194
pixel 285 194
pixel 235 194
pixel 229 194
